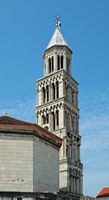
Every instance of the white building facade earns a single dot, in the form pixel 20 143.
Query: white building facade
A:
pixel 58 112
pixel 29 160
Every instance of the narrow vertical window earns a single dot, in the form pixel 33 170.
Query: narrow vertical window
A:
pixel 52 63
pixel 58 62
pixel 61 61
pixel 43 94
pixel 43 120
pixel 57 118
pixel 53 91
pixel 49 64
pixel 57 89
pixel 47 91
pixel 47 118
pixel 53 120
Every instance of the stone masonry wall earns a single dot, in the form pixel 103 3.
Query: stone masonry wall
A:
pixel 46 167
pixel 16 163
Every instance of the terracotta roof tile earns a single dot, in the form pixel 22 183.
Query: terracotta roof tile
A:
pixel 8 123
pixel 104 192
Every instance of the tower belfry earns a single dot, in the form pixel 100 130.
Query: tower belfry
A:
pixel 58 112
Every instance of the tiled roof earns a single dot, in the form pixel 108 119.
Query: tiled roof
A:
pixel 104 192
pixel 10 124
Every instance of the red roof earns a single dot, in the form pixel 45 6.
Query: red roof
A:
pixel 10 124
pixel 104 192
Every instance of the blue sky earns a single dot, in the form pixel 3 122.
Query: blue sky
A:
pixel 26 26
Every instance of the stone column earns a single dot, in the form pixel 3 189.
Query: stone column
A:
pixel 55 61
pixel 61 89
pixel 64 146
pixel 61 117
pixel 64 63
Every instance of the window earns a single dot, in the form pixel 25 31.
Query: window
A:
pixel 58 62
pixel 53 91
pixel 61 62
pixel 47 118
pixel 43 119
pixel 52 63
pixel 47 90
pixel 57 118
pixel 57 89
pixel 53 120
pixel 49 64
pixel 43 94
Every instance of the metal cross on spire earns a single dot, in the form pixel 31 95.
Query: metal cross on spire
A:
pixel 58 22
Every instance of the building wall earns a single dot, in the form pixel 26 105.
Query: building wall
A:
pixel 46 167
pixel 28 164
pixel 16 163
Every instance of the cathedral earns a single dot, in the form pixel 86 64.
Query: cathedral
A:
pixel 57 111
pixel 42 160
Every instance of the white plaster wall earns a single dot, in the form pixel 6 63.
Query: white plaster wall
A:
pixel 46 167
pixel 16 163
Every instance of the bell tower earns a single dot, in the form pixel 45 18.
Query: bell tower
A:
pixel 57 111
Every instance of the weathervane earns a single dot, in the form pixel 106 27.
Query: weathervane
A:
pixel 58 23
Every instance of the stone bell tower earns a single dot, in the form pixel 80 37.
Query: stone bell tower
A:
pixel 57 111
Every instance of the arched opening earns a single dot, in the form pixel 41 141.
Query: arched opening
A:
pixel 47 118
pixel 53 91
pixel 53 120
pixel 43 95
pixel 43 120
pixel 58 62
pixel 49 65
pixel 47 92
pixel 57 89
pixel 52 63
pixel 62 61
pixel 57 118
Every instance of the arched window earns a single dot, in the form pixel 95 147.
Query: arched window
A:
pixel 47 91
pixel 58 62
pixel 43 120
pixel 49 65
pixel 43 94
pixel 61 61
pixel 57 89
pixel 57 118
pixel 47 118
pixel 53 120
pixel 52 63
pixel 53 91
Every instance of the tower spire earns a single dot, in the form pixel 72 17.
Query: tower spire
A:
pixel 58 22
